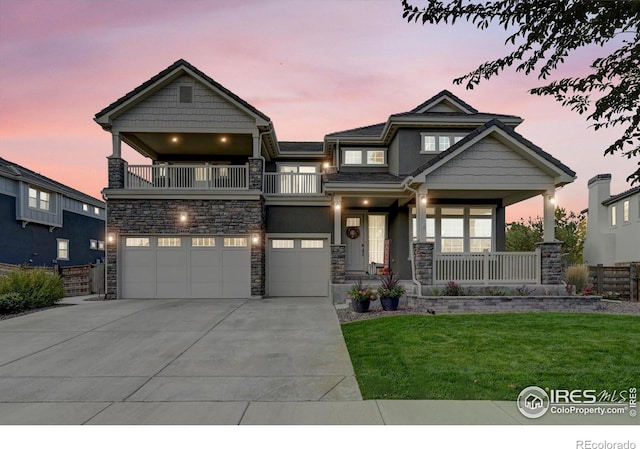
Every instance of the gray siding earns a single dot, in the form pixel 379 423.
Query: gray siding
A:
pixel 209 110
pixel 8 186
pixel 299 219
pixel 489 163
pixel 25 213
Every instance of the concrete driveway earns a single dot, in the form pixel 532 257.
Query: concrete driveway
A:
pixel 110 361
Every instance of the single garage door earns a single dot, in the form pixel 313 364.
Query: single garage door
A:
pixel 186 267
pixel 298 267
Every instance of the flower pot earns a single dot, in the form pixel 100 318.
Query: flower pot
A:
pixel 360 306
pixel 389 303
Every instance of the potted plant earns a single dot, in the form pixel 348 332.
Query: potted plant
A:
pixel 361 296
pixel 390 291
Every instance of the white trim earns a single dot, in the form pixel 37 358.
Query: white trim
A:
pixel 68 249
pixel 364 154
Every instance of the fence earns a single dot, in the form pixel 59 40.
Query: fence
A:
pixel 77 280
pixel 190 177
pixel 618 281
pixel 487 268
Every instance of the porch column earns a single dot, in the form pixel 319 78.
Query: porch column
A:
pixel 337 220
pixel 549 226
pixel 421 213
pixel 256 145
pixel 116 145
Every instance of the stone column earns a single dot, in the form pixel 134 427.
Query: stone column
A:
pixel 116 172
pixel 255 174
pixel 338 260
pixel 423 262
pixel 550 262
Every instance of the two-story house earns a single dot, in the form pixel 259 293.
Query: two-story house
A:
pixel 46 223
pixel 613 227
pixel 224 209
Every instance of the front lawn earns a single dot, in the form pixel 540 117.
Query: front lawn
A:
pixel 492 356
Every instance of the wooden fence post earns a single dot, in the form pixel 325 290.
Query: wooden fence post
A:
pixel 599 278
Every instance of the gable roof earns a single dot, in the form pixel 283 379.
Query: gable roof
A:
pixel 457 148
pixel 17 172
pixel 445 96
pixel 179 65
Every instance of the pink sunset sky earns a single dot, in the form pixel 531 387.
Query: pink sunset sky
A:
pixel 313 66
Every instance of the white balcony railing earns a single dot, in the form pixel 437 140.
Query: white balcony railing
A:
pixel 487 268
pixel 293 184
pixel 187 177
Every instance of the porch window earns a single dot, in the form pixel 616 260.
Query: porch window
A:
pixel 298 179
pixel 456 229
pixel 377 233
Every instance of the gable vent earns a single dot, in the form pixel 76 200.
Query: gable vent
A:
pixel 185 94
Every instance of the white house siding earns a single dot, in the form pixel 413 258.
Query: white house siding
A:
pixel 627 234
pixel 161 111
pixel 489 163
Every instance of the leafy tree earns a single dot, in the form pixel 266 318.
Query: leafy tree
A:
pixel 545 32
pixel 571 230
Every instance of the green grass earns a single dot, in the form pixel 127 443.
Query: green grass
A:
pixel 493 356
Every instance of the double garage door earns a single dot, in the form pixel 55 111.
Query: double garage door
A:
pixel 186 267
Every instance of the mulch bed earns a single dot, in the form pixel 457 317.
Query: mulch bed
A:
pixel 611 307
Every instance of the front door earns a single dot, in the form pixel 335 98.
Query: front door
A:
pixel 355 240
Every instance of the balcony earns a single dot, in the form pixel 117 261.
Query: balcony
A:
pixel 293 184
pixel 187 177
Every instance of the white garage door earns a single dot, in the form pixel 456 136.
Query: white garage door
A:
pixel 298 267
pixel 186 267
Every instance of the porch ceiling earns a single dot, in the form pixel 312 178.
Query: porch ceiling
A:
pixel 167 145
pixel 507 197
pixel 364 201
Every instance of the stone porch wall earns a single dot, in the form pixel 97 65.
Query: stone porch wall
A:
pixel 551 262
pixel 502 304
pixel 338 260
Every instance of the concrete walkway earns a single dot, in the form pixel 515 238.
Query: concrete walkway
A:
pixel 271 361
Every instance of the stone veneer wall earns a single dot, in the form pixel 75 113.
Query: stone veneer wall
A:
pixel 338 261
pixel 116 172
pixel 255 174
pixel 219 217
pixel 502 304
pixel 551 262
pixel 423 260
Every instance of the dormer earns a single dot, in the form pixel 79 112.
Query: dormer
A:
pixel 445 102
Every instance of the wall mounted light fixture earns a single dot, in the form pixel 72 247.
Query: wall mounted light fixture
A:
pixel 183 217
pixel 111 237
pixel 423 199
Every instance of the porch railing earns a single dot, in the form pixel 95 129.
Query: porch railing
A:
pixel 293 184
pixel 487 268
pixel 187 177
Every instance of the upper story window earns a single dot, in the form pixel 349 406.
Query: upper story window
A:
pixel 614 219
pixel 364 157
pixel 436 142
pixel 625 211
pixel 39 199
pixel 185 94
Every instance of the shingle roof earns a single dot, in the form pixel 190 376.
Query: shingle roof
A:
pixel 305 147
pixel 441 94
pixel 363 178
pixel 14 171
pixel 612 199
pixel 165 72
pixel 497 123
pixel 363 131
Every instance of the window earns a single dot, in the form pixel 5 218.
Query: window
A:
pixel 63 249
pixel 173 242
pixel 625 211
pixel 39 199
pixel 457 228
pixel 282 244
pixel 137 241
pixel 85 208
pixel 613 216
pixel 203 242
pixel 377 234
pixel 307 244
pixel 364 157
pixel 353 222
pixel 96 210
pixel 100 245
pixel 432 143
pixel 235 241
pixel 299 179
pixel 185 94
pixel 93 244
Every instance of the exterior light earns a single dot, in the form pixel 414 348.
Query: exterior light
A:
pixel 183 217
pixel 111 237
pixel 326 165
pixel 174 139
pixel 255 238
pixel 553 200
pixel 423 199
pixel 223 139
pixel 365 202
pixel 337 205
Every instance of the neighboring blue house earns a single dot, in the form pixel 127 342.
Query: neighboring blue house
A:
pixel 43 222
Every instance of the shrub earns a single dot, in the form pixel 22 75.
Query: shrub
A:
pixel 452 289
pixel 523 291
pixel 577 275
pixel 12 303
pixel 37 287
